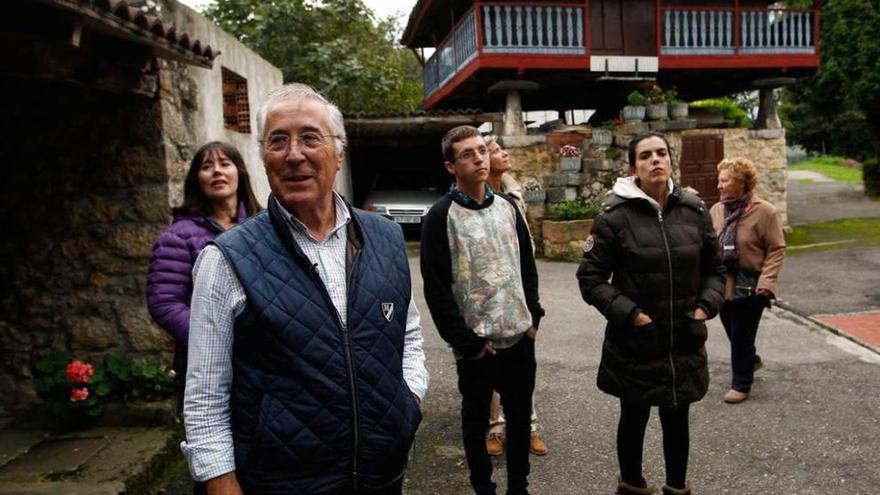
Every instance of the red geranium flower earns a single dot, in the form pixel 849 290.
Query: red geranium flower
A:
pixel 79 372
pixel 78 394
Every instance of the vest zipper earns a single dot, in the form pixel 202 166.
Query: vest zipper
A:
pixel 346 339
pixel 354 401
pixel 671 306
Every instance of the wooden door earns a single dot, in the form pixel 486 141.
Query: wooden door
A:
pixel 606 26
pixel 699 157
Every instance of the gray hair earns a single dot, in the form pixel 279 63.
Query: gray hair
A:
pixel 299 90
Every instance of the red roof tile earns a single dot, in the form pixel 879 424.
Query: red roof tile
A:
pixel 147 26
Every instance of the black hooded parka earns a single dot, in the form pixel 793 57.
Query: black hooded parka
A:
pixel 665 264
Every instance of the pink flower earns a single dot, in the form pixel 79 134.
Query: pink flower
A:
pixel 79 372
pixel 78 394
pixel 569 150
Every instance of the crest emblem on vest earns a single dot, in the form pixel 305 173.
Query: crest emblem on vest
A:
pixel 388 310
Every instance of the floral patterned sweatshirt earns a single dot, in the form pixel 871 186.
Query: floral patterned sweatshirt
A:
pixel 481 283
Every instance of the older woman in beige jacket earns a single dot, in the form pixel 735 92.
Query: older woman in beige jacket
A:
pixel 753 248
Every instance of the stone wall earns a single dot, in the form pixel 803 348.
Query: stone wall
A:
pixel 766 148
pixel 536 157
pixel 85 194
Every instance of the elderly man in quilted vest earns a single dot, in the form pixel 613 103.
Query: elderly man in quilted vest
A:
pixel 306 366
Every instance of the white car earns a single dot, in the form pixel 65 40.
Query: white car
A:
pixel 398 197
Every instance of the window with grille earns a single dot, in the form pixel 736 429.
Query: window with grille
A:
pixel 236 110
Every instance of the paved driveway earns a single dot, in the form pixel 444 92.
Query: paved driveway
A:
pixel 812 425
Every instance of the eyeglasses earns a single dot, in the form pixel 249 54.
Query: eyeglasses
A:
pixel 469 155
pixel 278 143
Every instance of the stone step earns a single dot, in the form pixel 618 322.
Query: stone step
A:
pixel 16 443
pixel 92 462
pixel 54 458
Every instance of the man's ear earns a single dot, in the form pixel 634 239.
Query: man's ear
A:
pixel 340 159
pixel 450 167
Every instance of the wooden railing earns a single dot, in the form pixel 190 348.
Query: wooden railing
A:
pixel 712 31
pixel 552 30
pixel 459 48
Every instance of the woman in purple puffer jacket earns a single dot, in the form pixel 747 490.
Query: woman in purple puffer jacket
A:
pixel 217 196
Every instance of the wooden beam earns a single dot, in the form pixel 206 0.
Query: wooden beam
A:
pixel 34 59
pixel 423 120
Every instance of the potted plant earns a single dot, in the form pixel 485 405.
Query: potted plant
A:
pixel 570 160
pixel 656 104
pixel 567 228
pixel 678 109
pixel 635 111
pixel 533 192
pixel 602 135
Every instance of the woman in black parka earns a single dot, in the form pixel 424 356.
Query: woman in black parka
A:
pixel 652 267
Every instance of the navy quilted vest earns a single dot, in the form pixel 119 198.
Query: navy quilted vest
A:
pixel 318 405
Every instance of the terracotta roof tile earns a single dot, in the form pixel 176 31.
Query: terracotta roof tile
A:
pixel 153 24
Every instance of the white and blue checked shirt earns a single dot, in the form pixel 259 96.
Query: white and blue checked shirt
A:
pixel 218 298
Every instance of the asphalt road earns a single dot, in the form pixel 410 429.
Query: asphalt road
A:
pixel 812 425
pixel 830 282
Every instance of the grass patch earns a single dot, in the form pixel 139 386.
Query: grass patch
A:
pixel 837 234
pixel 831 167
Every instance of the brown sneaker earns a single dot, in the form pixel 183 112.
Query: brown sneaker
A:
pixel 735 396
pixel 494 444
pixel 537 446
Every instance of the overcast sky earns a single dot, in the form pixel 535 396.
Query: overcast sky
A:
pixel 382 8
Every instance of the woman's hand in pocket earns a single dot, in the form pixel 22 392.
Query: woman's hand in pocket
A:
pixel 700 315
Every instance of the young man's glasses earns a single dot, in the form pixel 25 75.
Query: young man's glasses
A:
pixel 469 155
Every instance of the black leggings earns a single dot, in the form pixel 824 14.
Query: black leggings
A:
pixel 631 437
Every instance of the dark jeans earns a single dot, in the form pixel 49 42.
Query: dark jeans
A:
pixel 511 372
pixel 631 438
pixel 740 320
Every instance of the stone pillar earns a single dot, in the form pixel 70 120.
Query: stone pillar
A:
pixel 513 124
pixel 513 121
pixel 767 117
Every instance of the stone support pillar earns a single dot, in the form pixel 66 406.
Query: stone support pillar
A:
pixel 767 117
pixel 513 120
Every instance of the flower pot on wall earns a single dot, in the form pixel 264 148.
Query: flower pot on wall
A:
pixel 602 138
pixel 678 111
pixel 537 196
pixel 570 164
pixel 658 111
pixel 633 113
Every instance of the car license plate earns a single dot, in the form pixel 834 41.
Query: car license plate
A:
pixel 408 219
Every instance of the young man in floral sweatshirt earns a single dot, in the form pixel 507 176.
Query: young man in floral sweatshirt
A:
pixel 481 285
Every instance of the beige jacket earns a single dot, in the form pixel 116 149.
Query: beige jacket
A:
pixel 759 240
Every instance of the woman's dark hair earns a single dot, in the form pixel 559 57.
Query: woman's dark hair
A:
pixel 634 142
pixel 194 200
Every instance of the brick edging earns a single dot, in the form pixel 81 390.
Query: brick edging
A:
pixel 825 326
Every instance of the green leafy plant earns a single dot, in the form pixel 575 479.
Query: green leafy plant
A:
pixel 71 386
pixel 75 388
pixel 575 210
pixel 672 97
pixel 656 96
pixel 139 381
pixel 636 99
pixel 727 108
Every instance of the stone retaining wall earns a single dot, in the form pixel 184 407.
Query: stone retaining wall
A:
pixel 536 157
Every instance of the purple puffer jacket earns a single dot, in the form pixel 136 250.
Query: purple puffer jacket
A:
pixel 169 282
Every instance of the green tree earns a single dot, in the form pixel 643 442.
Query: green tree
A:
pixel 840 106
pixel 334 45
